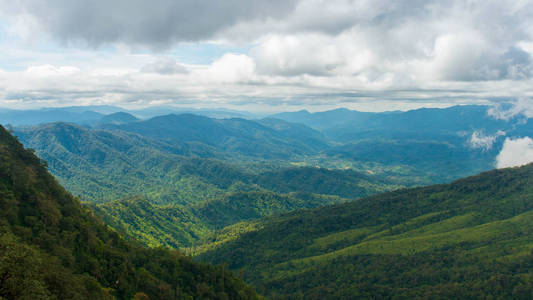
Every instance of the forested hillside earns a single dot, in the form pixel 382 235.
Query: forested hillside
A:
pixel 164 193
pixel 53 248
pixel 176 180
pixel 223 188
pixel 102 166
pixel 470 239
pixel 179 226
pixel 153 225
pixel 284 150
pixel 230 136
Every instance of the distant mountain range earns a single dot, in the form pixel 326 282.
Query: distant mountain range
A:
pixel 183 175
pixel 43 116
pixel 91 115
pixel 304 205
pixel 118 118
pixel 347 126
pixel 268 139
pixel 189 165
pixel 443 143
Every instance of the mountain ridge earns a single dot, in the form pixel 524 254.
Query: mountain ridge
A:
pixel 389 245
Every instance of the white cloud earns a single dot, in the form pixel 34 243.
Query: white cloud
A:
pixel 49 70
pixel 302 52
pixel 478 140
pixel 515 152
pixel 164 66
pixel 521 106
pixel 462 56
pixel 230 68
pixel 313 54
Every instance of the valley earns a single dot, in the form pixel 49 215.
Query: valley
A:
pixel 293 207
pixel 253 150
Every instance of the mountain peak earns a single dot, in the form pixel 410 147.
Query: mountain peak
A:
pixel 118 118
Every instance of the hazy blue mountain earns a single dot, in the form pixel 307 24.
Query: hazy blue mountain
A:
pixel 427 123
pixel 102 109
pixel 118 118
pixel 438 160
pixel 423 123
pixel 295 130
pixel 241 136
pixel 150 112
pixel 442 144
pixel 41 116
pixel 337 118
pixel 90 115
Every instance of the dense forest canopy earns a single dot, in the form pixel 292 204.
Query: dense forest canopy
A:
pixel 468 239
pixel 297 208
pixel 53 248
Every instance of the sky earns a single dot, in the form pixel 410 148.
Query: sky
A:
pixel 276 55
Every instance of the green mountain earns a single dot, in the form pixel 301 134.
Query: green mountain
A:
pixel 153 225
pixel 53 248
pixel 162 194
pixel 103 166
pixel 471 239
pixel 230 136
pixel 241 206
pixel 343 183
pixel 179 227
pixel 412 148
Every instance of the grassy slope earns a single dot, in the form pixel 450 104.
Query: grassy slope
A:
pixel 178 227
pixel 470 238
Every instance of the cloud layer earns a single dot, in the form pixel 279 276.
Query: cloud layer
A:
pixel 157 24
pixel 521 106
pixel 301 52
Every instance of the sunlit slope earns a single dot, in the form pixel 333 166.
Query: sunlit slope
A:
pixel 470 238
pixel 101 166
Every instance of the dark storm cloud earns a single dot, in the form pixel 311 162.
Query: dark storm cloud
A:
pixel 157 23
